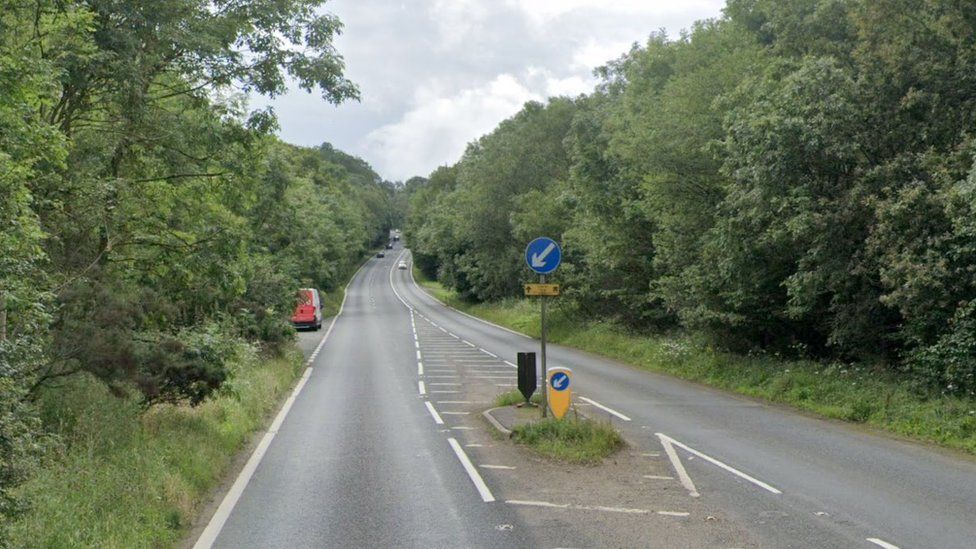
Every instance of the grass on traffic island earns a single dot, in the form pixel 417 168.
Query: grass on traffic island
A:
pixel 573 439
pixel 853 392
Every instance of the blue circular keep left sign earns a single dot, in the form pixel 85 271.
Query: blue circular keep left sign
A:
pixel 543 255
pixel 560 381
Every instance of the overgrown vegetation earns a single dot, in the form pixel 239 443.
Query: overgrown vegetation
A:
pixel 125 477
pixel 791 179
pixel 152 226
pixel 569 439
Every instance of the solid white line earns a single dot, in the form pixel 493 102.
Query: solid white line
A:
pixel 433 412
pixel 420 368
pixel 473 446
pixel 219 518
pixel 473 473
pixel 456 413
pixel 503 467
pixel 679 468
pixel 882 543
pixel 674 513
pixel 658 477
pixel 445 383
pixel 446 392
pixel 718 463
pixel 604 408
pixel 455 402
pixel 422 387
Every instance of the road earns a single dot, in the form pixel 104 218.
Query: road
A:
pixel 359 461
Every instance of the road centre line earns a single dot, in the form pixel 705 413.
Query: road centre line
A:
pixel 422 387
pixel 433 412
pixel 719 464
pixel 604 408
pixel 473 474
pixel 882 543
pixel 220 516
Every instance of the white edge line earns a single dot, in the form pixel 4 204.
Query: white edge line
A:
pixel 882 543
pixel 433 412
pixel 473 473
pixel 721 465
pixel 678 467
pixel 605 409
pixel 226 507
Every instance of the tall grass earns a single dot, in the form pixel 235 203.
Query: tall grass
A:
pixel 129 478
pixel 852 392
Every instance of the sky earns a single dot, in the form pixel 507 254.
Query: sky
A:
pixel 435 75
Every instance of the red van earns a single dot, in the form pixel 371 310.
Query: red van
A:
pixel 308 310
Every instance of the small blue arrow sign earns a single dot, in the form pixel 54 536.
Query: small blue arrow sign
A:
pixel 543 255
pixel 560 381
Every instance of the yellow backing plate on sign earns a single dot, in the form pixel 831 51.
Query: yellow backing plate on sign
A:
pixel 551 290
pixel 560 391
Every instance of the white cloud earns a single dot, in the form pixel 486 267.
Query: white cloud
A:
pixel 437 129
pixel 541 11
pixel 596 53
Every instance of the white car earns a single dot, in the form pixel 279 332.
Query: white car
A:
pixel 402 265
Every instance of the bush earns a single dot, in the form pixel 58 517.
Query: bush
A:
pixel 950 363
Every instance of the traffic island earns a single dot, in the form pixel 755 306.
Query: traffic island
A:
pixel 575 439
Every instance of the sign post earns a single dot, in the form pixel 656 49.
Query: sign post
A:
pixel 543 255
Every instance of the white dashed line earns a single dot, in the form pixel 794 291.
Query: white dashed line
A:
pixel 489 353
pixel 882 543
pixel 433 413
pixel 423 389
pixel 420 368
pixel 468 343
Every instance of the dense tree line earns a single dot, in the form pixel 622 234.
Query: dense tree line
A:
pixel 795 176
pixel 148 220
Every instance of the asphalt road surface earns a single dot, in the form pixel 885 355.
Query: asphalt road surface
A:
pixel 359 461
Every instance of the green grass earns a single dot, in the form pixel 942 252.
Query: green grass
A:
pixel 513 397
pixel 127 478
pixel 570 440
pixel 850 392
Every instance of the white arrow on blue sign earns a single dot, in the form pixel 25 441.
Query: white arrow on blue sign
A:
pixel 543 255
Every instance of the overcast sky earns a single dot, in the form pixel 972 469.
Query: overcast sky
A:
pixel 437 74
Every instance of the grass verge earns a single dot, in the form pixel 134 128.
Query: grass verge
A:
pixel 124 477
pixel 570 440
pixel 850 392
